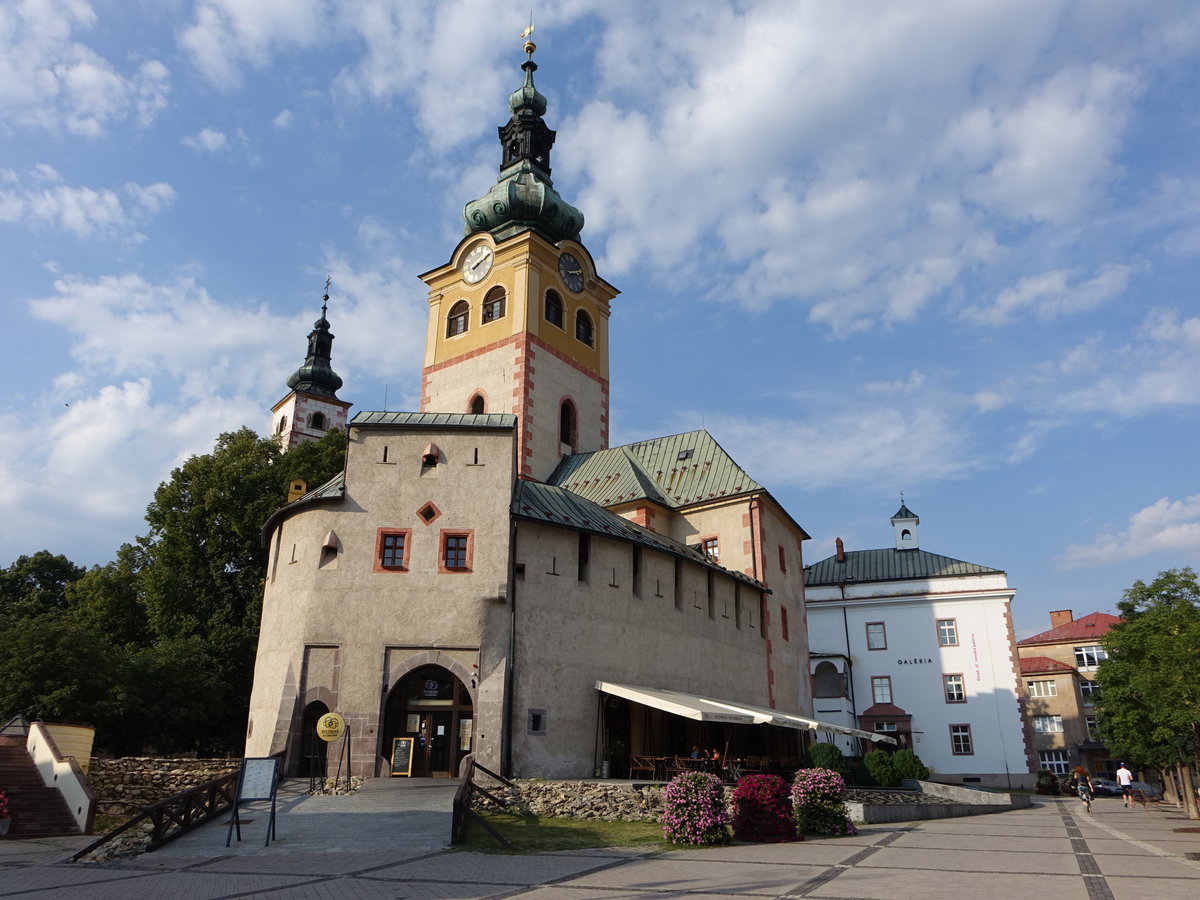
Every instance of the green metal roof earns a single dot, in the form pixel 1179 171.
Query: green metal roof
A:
pixel 426 420
pixel 889 565
pixel 674 471
pixel 333 489
pixel 553 505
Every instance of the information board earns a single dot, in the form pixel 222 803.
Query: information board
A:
pixel 402 748
pixel 258 778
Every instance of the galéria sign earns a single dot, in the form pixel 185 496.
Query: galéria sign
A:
pixel 914 662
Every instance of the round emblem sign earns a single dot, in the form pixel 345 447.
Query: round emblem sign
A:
pixel 330 727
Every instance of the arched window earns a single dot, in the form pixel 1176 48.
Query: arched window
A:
pixel 456 322
pixel 827 681
pixel 478 407
pixel 317 421
pixel 282 425
pixel 554 308
pixel 583 328
pixel 566 424
pixel 493 305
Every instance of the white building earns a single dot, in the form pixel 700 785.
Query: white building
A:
pixel 921 647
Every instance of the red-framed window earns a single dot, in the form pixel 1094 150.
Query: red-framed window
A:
pixel 876 636
pixel 960 740
pixel 457 551
pixel 392 548
pixel 955 687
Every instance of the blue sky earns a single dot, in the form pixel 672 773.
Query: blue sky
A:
pixel 943 248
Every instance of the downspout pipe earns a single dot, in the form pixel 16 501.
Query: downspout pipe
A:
pixel 510 667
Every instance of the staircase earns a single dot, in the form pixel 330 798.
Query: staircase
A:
pixel 37 811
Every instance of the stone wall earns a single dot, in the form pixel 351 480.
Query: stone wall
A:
pixel 124 786
pixel 588 799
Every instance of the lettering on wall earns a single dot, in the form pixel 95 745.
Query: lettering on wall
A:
pixel 975 654
pixel 916 661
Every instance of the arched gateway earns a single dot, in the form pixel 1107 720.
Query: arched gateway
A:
pixel 433 707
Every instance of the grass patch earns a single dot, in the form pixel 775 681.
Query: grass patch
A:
pixel 535 834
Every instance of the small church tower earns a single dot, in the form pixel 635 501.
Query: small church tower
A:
pixel 518 318
pixel 905 523
pixel 311 407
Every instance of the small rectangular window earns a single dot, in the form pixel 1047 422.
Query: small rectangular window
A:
pixel 876 636
pixel 678 583
pixel 457 550
pixel 960 740
pixel 709 548
pixel 637 571
pixel 1048 724
pixel 1042 688
pixel 783 622
pixel 782 560
pixel 1089 658
pixel 956 691
pixel 1057 761
pixel 881 688
pixel 537 722
pixel 585 555
pixel 391 549
pixel 1089 692
pixel 947 632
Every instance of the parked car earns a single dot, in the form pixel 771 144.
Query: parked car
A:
pixel 1106 787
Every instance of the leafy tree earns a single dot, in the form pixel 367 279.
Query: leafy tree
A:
pixel 1149 709
pixel 156 649
pixel 35 584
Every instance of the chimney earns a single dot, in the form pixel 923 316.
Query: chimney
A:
pixel 1061 617
pixel 841 551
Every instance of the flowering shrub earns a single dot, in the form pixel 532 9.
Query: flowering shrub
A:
pixel 829 756
pixel 762 810
pixel 694 810
pixel 819 798
pixel 4 814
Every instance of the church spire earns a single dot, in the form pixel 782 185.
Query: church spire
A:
pixel 316 376
pixel 523 197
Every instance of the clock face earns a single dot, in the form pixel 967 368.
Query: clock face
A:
pixel 571 272
pixel 477 264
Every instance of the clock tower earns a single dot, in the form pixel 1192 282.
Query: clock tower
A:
pixel 518 318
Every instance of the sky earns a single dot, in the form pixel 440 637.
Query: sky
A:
pixel 943 248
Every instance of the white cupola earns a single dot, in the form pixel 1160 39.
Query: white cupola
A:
pixel 905 522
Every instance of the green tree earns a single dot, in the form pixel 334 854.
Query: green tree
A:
pixel 1149 709
pixel 36 584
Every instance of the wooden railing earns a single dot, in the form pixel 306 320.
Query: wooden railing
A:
pixel 468 789
pixel 178 814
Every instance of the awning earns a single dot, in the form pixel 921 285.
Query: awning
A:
pixel 707 709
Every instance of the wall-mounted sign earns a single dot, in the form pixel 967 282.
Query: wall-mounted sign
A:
pixel 916 661
pixel 413 722
pixel 330 727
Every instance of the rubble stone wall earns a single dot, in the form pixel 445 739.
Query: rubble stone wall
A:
pixel 124 786
pixel 588 799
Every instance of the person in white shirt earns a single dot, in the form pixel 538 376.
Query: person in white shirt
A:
pixel 1125 780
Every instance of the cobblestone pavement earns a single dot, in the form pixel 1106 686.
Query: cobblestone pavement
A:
pixel 1054 849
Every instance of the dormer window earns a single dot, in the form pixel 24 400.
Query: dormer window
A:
pixel 430 455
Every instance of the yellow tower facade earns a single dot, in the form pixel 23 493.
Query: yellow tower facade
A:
pixel 518 317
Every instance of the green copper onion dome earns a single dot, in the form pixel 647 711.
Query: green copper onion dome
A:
pixel 316 376
pixel 523 197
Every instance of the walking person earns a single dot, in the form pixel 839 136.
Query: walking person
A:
pixel 1083 787
pixel 1125 780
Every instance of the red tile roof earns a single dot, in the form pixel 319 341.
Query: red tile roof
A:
pixel 1041 665
pixel 1087 628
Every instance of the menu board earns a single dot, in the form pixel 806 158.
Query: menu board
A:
pixel 402 748
pixel 258 778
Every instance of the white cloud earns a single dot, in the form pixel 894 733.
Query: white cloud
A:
pixel 45 201
pixel 207 140
pixel 910 385
pixel 1051 295
pixel 50 81
pixel 1167 526
pixel 865 447
pixel 227 34
pixel 283 121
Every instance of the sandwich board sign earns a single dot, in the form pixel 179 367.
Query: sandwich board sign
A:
pixel 258 780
